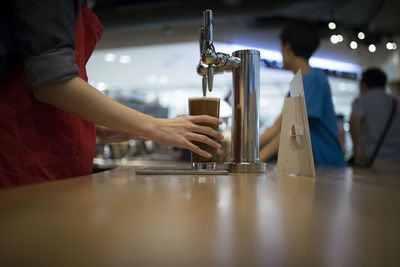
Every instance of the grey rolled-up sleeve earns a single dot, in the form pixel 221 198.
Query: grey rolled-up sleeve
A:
pixel 52 66
pixel 45 34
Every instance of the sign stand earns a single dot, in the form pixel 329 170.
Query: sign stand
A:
pixel 295 153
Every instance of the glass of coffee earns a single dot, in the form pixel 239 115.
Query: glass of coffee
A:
pixel 205 106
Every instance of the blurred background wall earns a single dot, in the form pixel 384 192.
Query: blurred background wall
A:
pixel 148 54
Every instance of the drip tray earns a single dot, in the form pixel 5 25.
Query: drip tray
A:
pixel 177 171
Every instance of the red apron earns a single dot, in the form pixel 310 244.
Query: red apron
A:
pixel 39 142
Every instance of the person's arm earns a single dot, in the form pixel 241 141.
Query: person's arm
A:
pixel 355 124
pixel 271 149
pixel 79 98
pixel 357 114
pixel 115 136
pixel 272 131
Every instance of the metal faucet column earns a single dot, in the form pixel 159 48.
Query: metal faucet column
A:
pixel 245 113
pixel 245 65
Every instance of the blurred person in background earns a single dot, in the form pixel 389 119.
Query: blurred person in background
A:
pixel 371 114
pixel 298 42
pixel 48 111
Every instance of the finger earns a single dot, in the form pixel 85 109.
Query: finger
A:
pixel 208 131
pixel 206 119
pixel 203 139
pixel 192 147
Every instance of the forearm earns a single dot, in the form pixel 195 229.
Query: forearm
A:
pixel 270 132
pixel 355 132
pixel 79 98
pixel 266 137
pixel 271 149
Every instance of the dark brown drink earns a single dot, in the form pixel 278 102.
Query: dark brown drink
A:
pixel 205 106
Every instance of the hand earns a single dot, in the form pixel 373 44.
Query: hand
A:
pixel 114 136
pixel 182 131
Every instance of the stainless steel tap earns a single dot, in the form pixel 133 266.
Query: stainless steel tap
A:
pixel 212 62
pixel 245 66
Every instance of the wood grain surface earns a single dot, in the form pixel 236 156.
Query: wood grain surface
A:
pixel 343 217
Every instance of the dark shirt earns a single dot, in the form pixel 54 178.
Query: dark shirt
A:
pixel 39 34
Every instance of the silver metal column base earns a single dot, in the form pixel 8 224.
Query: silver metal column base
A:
pixel 246 166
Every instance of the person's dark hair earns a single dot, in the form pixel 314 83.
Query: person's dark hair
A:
pixel 374 77
pixel 303 38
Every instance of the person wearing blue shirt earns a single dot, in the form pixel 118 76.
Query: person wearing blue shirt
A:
pixel 298 42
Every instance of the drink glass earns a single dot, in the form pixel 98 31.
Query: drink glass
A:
pixel 205 106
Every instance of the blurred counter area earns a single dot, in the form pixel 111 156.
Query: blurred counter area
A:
pixel 127 153
pixel 135 153
pixel 109 155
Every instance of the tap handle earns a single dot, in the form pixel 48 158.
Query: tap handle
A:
pixel 208 33
pixel 204 85
pixel 202 50
pixel 210 77
pixel 202 40
pixel 208 26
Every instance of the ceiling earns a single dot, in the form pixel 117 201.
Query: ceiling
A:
pixel 376 17
pixel 253 24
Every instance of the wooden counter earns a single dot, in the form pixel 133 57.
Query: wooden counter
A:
pixel 344 217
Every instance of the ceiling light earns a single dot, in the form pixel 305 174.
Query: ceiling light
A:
pixel 163 80
pixel 394 46
pixel 389 46
pixel 361 35
pixel 372 48
pixel 110 57
pixel 339 38
pixel 152 78
pixel 332 25
pixel 353 45
pixel 334 39
pixel 124 59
